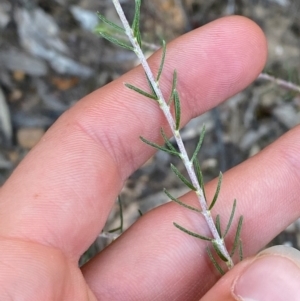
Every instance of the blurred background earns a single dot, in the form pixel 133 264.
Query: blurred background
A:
pixel 50 58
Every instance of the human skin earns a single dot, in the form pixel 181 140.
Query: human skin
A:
pixel 58 199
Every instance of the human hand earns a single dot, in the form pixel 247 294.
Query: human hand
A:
pixel 57 201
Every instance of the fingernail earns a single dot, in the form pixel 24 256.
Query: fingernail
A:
pixel 268 278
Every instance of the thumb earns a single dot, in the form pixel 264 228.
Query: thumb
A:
pixel 274 274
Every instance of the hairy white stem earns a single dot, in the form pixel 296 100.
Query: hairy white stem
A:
pixel 184 156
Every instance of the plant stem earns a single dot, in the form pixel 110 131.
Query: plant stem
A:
pixel 168 115
pixel 280 82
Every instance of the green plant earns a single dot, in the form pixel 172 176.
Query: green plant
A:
pixel 129 37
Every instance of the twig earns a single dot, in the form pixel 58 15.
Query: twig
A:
pixel 280 82
pixel 175 131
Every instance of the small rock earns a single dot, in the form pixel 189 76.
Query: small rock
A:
pixel 87 19
pixel 65 65
pixel 64 84
pixel 4 14
pixel 287 115
pixel 18 75
pixel 21 119
pixel 15 95
pixel 13 156
pixel 282 2
pixel 4 163
pixel 5 120
pixel 29 137
pixel 291 228
pixel 251 137
pixel 21 63
pixel 38 32
pixel 39 35
pixel 210 163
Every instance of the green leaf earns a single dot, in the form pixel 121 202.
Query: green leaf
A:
pixel 140 212
pixel 138 38
pixel 218 225
pixel 151 87
pixel 218 251
pixel 237 236
pixel 137 15
pixel 164 48
pixel 195 154
pixel 191 233
pixel 160 147
pixel 136 22
pixel 142 92
pixel 115 26
pixel 168 143
pixel 116 41
pixel 230 218
pixel 217 192
pixel 174 84
pixel 241 256
pixel 199 176
pixel 121 214
pixel 214 262
pixel 181 203
pixel 177 110
pixel 182 178
pixel 121 218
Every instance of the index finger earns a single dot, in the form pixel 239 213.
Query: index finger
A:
pixel 61 194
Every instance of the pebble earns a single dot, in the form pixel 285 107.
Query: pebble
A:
pixel 22 63
pixel 287 115
pixel 29 137
pixel 5 120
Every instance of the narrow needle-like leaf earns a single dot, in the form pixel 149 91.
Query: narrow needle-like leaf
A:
pixel 140 91
pixel 116 41
pixel 136 22
pixel 168 143
pixel 217 192
pixel 230 218
pixel 115 26
pixel 181 203
pixel 214 262
pixel 151 86
pixel 195 154
pixel 191 233
pixel 139 38
pixel 174 84
pixel 182 178
pixel 199 176
pixel 177 110
pixel 241 250
pixel 160 147
pixel 218 225
pixel 218 251
pixel 121 218
pixel 164 48
pixel 237 236
pixel 121 214
pixel 137 14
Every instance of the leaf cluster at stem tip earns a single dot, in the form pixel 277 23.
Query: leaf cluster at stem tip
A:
pixel 116 34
